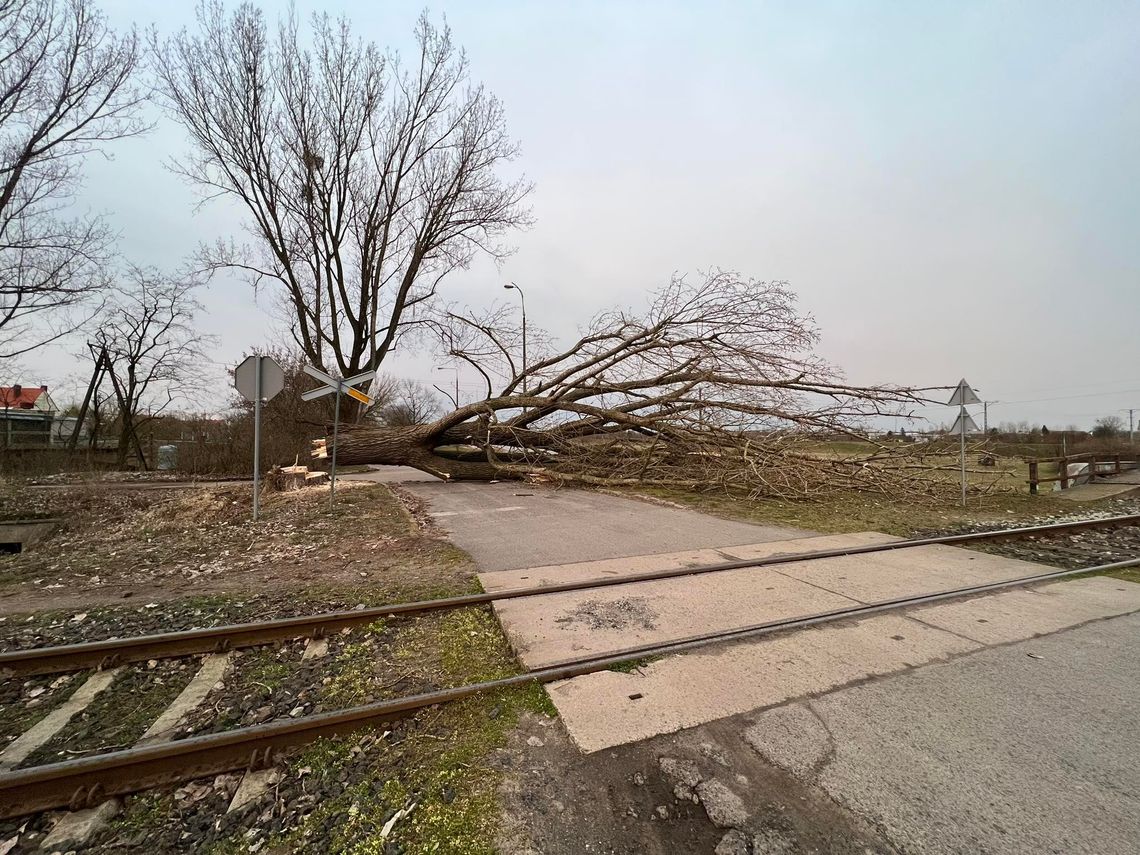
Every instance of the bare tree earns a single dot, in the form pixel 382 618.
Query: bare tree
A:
pixel 366 181
pixel 1108 427
pixel 154 353
pixel 715 385
pixel 65 91
pixel 411 403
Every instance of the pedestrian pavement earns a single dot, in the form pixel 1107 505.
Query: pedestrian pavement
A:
pixel 511 525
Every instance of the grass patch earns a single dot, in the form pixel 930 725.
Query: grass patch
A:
pixel 353 681
pixel 436 765
pixel 1128 574
pixel 633 665
pixel 852 512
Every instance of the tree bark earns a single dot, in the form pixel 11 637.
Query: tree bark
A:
pixel 412 445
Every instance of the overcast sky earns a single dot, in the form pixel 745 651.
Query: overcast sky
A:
pixel 952 188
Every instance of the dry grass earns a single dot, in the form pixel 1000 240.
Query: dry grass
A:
pixel 169 543
pixel 851 512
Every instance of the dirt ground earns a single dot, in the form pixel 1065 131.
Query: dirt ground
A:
pixel 125 545
pixel 130 561
pixel 675 793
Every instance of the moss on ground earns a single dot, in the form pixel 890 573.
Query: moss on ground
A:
pixel 1129 574
pixel 17 716
pixel 353 673
pixel 120 714
pixel 435 768
pixel 633 665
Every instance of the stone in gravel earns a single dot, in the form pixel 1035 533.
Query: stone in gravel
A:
pixel 74 829
pixel 316 648
pixel 227 783
pixel 252 787
pixel 662 811
pixel 772 842
pixel 680 770
pixel 733 843
pixel 534 742
pixel 683 792
pixel 724 807
pixel 296 712
pixel 714 754
pixel 638 779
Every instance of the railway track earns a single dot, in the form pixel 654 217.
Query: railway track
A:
pixel 113 652
pixel 87 781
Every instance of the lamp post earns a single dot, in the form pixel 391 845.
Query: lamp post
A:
pixel 522 299
pixel 456 370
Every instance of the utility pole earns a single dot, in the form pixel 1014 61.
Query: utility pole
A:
pixel 986 416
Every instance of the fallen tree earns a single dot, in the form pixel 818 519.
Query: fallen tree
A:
pixel 715 386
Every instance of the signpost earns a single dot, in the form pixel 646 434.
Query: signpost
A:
pixel 338 387
pixel 962 396
pixel 258 379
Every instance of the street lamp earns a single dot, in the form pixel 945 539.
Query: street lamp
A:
pixel 522 298
pixel 456 370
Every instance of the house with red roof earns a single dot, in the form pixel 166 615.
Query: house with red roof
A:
pixel 26 416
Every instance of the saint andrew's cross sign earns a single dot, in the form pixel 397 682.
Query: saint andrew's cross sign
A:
pixel 333 386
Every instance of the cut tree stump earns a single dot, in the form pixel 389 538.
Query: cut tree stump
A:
pixel 285 478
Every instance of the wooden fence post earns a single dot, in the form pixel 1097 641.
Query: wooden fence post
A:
pixel 1064 473
pixel 1033 477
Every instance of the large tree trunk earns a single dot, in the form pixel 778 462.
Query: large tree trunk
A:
pixel 416 446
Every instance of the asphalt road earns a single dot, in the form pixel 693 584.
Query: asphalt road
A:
pixel 1022 749
pixel 509 525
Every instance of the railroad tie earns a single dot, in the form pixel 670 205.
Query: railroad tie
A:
pixel 213 668
pixel 51 724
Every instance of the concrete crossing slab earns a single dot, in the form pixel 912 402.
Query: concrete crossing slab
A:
pixel 546 630
pixel 581 571
pixel 908 572
pixel 549 629
pixel 611 708
pixel 1028 612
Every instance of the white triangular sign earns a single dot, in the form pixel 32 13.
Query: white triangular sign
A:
pixel 963 395
pixel 971 425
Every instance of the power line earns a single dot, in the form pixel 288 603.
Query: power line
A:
pixel 1071 397
pixel 1082 386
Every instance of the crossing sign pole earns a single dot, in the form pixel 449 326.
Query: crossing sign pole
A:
pixel 332 465
pixel 962 396
pixel 258 379
pixel 257 441
pixel 962 418
pixel 338 387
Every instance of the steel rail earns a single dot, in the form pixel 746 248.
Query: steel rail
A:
pixel 85 782
pixel 106 653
